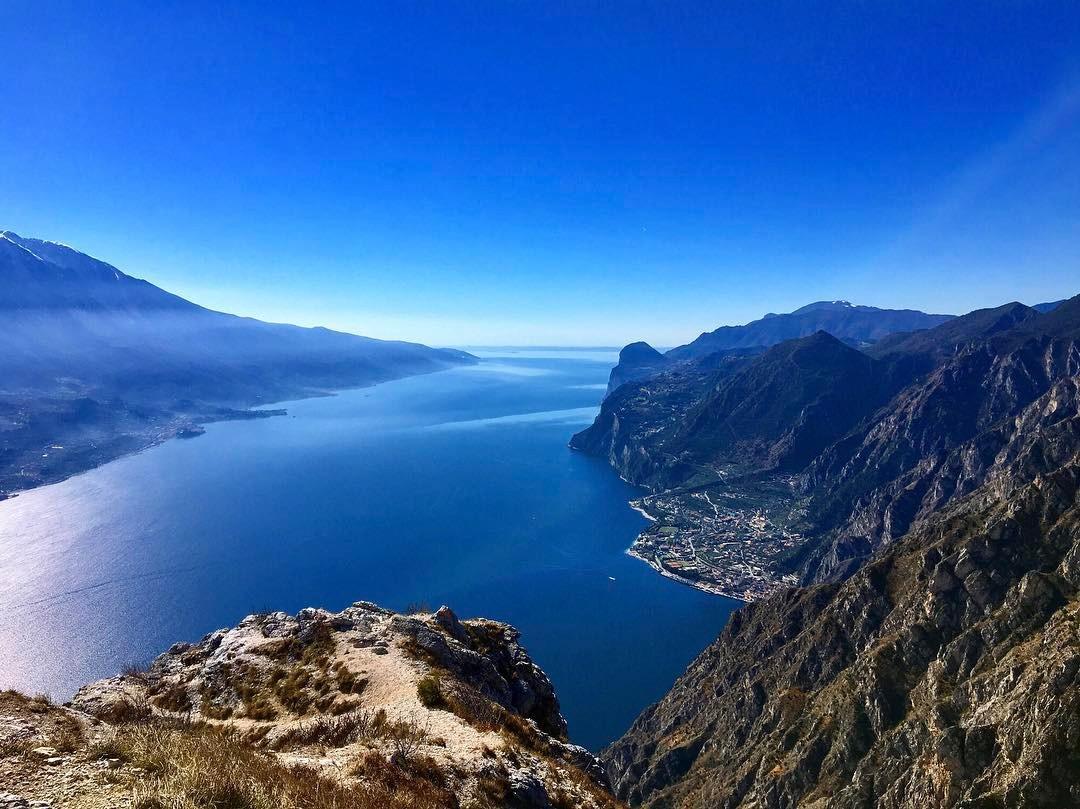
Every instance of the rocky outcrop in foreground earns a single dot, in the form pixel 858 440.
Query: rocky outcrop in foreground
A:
pixel 360 708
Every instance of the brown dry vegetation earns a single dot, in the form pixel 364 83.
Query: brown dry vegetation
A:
pixel 202 767
pixel 247 720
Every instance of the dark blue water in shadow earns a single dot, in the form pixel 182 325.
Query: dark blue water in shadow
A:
pixel 453 488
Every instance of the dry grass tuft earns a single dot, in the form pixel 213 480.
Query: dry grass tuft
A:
pixel 206 768
pixel 332 731
pixel 14 747
pixel 69 735
pixel 171 697
pixel 126 710
pixel 419 776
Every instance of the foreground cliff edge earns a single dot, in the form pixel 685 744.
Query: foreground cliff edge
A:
pixel 361 708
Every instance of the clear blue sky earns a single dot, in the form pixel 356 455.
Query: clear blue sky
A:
pixel 542 172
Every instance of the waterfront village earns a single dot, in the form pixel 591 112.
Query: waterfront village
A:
pixel 727 540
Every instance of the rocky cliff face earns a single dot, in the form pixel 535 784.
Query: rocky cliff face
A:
pixel 946 672
pixel 371 707
pixel 635 417
pixel 934 657
pixel 965 423
pixel 636 361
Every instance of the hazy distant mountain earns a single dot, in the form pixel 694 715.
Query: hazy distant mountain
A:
pixel 74 321
pixel 90 356
pixel 844 321
pixel 850 323
pixel 46 276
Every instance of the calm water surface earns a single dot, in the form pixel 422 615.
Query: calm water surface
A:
pixel 453 488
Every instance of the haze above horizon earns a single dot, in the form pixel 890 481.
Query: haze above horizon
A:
pixel 552 173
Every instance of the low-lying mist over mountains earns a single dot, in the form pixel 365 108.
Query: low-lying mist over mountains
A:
pixel 96 363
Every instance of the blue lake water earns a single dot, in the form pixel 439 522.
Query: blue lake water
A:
pixel 454 488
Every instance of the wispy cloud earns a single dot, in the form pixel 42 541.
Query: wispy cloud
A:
pixel 982 174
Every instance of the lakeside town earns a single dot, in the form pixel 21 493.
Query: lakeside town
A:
pixel 726 540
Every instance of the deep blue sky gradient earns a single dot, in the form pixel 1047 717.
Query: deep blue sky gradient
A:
pixel 544 172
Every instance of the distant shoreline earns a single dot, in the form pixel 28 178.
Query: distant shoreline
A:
pixel 184 427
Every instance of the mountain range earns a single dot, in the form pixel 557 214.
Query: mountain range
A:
pixel 96 363
pixel 872 438
pixel 929 484
pixel 848 322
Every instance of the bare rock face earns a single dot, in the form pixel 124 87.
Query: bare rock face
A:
pixel 487 655
pixel 636 361
pixel 366 691
pixel 999 411
pixel 944 673
pixel 448 621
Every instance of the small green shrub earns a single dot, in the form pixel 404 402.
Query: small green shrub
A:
pixel 429 691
